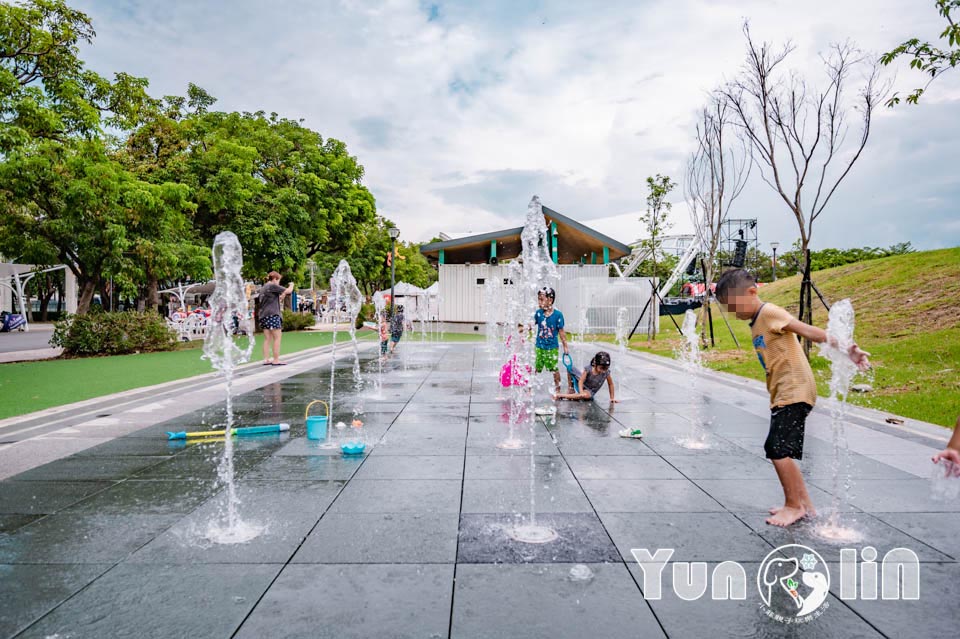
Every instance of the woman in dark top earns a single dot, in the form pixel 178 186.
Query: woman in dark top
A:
pixel 271 297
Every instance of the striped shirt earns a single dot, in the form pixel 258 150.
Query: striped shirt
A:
pixel 789 376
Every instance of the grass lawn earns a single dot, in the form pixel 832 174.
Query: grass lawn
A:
pixel 908 317
pixel 30 386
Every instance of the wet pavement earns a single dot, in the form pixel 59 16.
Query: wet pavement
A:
pixel 412 539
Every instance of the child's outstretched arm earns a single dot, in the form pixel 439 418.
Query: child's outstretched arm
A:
pixel 563 340
pixel 952 451
pixel 818 335
pixel 612 389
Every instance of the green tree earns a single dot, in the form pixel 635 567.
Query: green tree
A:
pixel 74 204
pixel 927 58
pixel 285 191
pixel 656 221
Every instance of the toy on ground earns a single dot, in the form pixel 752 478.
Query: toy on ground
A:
pixel 568 362
pixel 316 424
pixel 239 432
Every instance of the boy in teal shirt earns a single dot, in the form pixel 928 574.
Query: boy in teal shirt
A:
pixel 549 327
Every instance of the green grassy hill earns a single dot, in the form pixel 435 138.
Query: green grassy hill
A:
pixel 907 316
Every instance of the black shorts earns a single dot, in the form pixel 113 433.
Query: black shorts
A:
pixel 785 438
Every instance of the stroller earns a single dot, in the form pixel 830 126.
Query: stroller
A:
pixel 10 322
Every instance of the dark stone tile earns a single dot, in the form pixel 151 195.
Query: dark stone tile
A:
pixel 39 497
pixel 90 468
pixel 305 468
pixel 303 447
pixel 485 539
pixel 354 601
pixel 160 601
pixel 9 523
pixel 81 539
pixel 939 530
pixel 135 446
pixel 546 467
pixel 285 511
pixel 706 617
pixel 929 616
pixel 156 497
pixel 621 467
pixel 399 496
pixel 756 495
pixel 896 495
pixel 647 495
pixel 412 467
pixel 427 538
pixel 693 536
pixel 512 601
pixel 29 592
pixel 820 467
pixel 872 531
pixel 672 446
pixel 723 466
pixel 513 496
pixel 199 467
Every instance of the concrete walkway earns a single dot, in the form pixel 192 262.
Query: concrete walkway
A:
pixel 411 539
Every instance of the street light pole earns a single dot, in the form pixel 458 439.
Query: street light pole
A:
pixel 394 234
pixel 774 246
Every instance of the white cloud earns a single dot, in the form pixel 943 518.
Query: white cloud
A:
pixel 581 101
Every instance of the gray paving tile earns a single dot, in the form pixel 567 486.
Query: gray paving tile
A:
pixel 382 539
pixel 928 616
pixel 485 539
pixel 9 523
pixel 29 592
pixel 757 495
pixel 545 467
pixel 938 530
pixel 285 511
pixel 198 467
pixel 712 537
pixel 301 446
pixel 820 466
pixel 355 601
pixel 647 495
pixel 305 468
pixel 705 617
pixel 90 468
pixel 621 467
pixel 722 466
pixel 399 496
pixel 513 496
pixel 159 601
pixel 411 467
pixel 511 601
pixel 905 495
pixel 81 539
pixel 39 497
pixel 870 530
pixel 155 497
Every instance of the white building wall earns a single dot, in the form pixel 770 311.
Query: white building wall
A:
pixel 462 299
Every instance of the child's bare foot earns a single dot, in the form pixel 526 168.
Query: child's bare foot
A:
pixel 811 511
pixel 786 516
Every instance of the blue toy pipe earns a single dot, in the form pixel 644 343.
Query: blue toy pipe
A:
pixel 239 432
pixel 568 362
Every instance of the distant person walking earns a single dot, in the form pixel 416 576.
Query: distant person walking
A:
pixel 396 328
pixel 271 297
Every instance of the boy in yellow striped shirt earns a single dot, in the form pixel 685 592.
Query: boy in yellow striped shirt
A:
pixel 790 382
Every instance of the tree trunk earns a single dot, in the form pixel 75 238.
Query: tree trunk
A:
pixel 806 298
pixel 44 303
pixel 87 290
pixel 153 295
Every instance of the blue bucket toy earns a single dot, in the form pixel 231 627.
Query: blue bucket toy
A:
pixel 316 424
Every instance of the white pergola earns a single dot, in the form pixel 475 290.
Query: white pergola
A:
pixel 14 277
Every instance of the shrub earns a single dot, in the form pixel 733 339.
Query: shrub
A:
pixel 366 314
pixel 102 333
pixel 297 321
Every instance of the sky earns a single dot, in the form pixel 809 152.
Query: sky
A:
pixel 460 111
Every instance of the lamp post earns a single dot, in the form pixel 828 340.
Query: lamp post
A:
pixel 394 234
pixel 774 246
